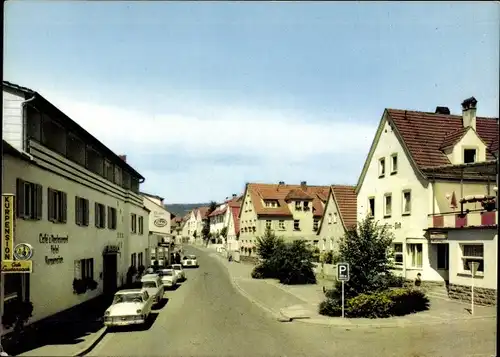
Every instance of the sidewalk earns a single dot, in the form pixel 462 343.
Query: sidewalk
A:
pixel 69 333
pixel 300 302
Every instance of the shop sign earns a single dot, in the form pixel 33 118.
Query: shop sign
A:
pixel 8 226
pixel 23 251
pixel 54 241
pixel 17 266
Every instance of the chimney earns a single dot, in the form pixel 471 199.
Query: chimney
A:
pixel 281 183
pixel 469 113
pixel 234 195
pixel 443 110
pixel 303 184
pixel 123 157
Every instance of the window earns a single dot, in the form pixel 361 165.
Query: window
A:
pixel 271 203
pixel 394 163
pixel 126 180
pixel 34 124
pixel 306 206
pixel 315 224
pixel 371 207
pixel 415 253
pixel 133 259
pixel 398 253
pixel 330 219
pixel 118 176
pixel 53 136
pixel 335 217
pixel 141 225
pixel 111 217
pixel 109 171
pixel 95 162
pixel 76 150
pixel 84 269
pixel 281 225
pixel 298 206
pixel 406 202
pixel 16 288
pixel 28 200
pixel 81 211
pixel 100 215
pixel 268 224
pixel 296 225
pixel 388 205
pixel 381 167
pixel 57 206
pixel 469 156
pixel 133 223
pixel 140 259
pixel 134 185
pixel 472 253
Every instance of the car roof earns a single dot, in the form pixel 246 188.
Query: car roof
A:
pixel 150 277
pixel 129 291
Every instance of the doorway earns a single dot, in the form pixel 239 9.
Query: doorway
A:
pixel 110 273
pixel 443 259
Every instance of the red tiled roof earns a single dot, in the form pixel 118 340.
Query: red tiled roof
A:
pixel 203 211
pixel 218 211
pixel 296 194
pixel 424 133
pixel 453 137
pixel 235 210
pixel 346 199
pixel 259 192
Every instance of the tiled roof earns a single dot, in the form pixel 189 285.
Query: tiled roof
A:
pixel 233 202
pixel 235 210
pixel 423 134
pixel 203 211
pixel 296 194
pixel 218 211
pixel 453 138
pixel 259 192
pixel 347 203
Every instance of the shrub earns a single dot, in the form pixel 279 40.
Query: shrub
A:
pixel 328 257
pixel 16 314
pixel 293 264
pixel 330 307
pixel 408 301
pixel 260 272
pixel 268 245
pixel 370 305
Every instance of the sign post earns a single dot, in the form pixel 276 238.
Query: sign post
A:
pixel 343 276
pixel 473 269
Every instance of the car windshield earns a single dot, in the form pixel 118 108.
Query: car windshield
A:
pixel 166 272
pixel 191 256
pixel 149 284
pixel 121 298
pixel 177 267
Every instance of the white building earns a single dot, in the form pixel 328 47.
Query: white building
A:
pixel 77 205
pixel 219 218
pixel 159 226
pixel 399 185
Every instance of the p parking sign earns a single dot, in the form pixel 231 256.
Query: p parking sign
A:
pixel 343 271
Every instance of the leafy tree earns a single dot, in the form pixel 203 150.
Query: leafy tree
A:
pixel 195 234
pixel 268 244
pixel 367 250
pixel 223 233
pixel 293 263
pixel 205 232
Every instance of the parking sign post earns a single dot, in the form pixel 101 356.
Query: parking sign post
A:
pixel 473 269
pixel 343 276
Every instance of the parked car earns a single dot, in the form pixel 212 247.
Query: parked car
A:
pixel 190 261
pixel 168 278
pixel 129 307
pixel 181 274
pixel 154 286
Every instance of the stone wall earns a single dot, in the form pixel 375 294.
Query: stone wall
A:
pixel 482 296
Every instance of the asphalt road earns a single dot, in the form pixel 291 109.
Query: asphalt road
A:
pixel 206 316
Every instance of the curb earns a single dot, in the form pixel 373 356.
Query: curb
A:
pixel 99 336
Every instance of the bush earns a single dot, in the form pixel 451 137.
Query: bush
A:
pixel 260 272
pixel 394 302
pixel 293 264
pixel 330 307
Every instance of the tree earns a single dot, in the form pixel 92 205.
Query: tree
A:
pixel 223 233
pixel 294 263
pixel 367 250
pixel 195 234
pixel 205 232
pixel 268 244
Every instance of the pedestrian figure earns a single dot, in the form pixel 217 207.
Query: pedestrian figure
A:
pixel 418 280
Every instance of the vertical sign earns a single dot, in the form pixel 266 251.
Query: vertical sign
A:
pixel 343 276
pixel 8 226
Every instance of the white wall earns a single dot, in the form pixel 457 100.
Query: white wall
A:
pixel 330 230
pixel 53 283
pixel 12 119
pixel 159 217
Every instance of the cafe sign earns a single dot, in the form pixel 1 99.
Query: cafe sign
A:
pixel 8 226
pixel 17 266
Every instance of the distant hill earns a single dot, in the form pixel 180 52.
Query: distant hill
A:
pixel 181 209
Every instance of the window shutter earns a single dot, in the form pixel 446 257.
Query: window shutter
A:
pixel 20 198
pixel 103 216
pixel 86 213
pixel 38 201
pixel 78 211
pixel 64 207
pixel 50 204
pixel 110 221
pixel 96 214
pixel 84 268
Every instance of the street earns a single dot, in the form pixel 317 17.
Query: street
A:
pixel 206 316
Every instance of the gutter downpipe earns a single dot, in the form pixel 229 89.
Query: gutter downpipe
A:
pixel 25 141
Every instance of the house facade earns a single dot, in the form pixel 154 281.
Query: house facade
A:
pixel 291 211
pixel 76 203
pixel 400 185
pixel 339 215
pixel 159 227
pixel 189 226
pixel 220 217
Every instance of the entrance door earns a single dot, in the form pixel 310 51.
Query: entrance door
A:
pixel 110 273
pixel 442 256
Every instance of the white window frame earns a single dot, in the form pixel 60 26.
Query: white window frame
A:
pixel 386 213
pixel 476 153
pixel 464 258
pixel 398 253
pixel 330 218
pixel 411 249
pixel 281 224
pixel 298 224
pixel 403 208
pixel 269 224
pixel 335 218
pixel 315 224
pixel 381 167
pixel 394 159
pixel 370 212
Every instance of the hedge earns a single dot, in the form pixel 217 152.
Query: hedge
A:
pixel 394 302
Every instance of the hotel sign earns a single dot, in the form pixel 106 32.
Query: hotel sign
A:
pixel 438 237
pixel 8 226
pixel 17 266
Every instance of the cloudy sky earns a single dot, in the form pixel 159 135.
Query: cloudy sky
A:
pixel 203 97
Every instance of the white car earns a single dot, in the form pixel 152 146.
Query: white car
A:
pixel 129 307
pixel 168 277
pixel 153 284
pixel 181 274
pixel 190 261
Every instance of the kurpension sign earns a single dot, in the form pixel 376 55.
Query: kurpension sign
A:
pixel 8 226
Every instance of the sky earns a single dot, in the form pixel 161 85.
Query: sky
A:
pixel 204 97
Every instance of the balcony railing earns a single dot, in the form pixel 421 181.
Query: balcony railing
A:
pixel 472 219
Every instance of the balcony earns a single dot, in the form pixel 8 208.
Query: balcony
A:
pixel 456 220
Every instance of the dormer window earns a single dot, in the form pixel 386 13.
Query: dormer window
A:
pixel 381 167
pixel 470 156
pixel 298 205
pixel 271 203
